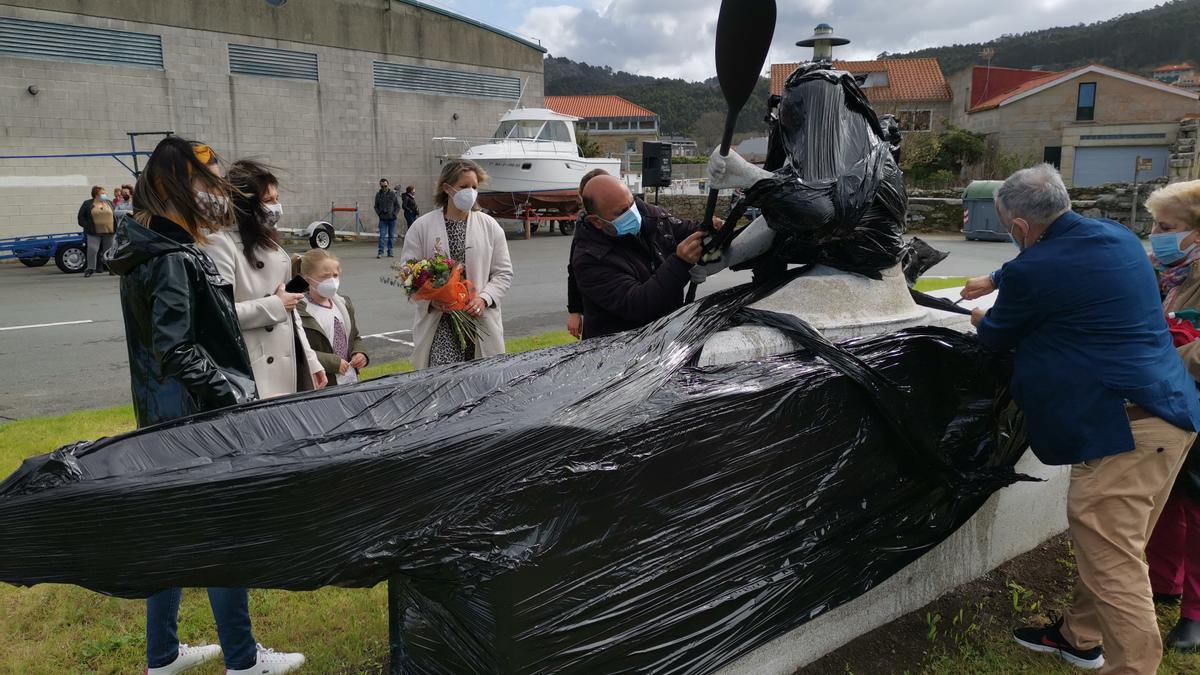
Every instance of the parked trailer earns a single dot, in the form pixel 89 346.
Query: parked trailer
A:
pixel 68 250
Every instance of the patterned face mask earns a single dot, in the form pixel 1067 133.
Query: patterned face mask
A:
pixel 272 213
pixel 212 207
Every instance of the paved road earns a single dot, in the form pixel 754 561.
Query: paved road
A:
pixel 57 368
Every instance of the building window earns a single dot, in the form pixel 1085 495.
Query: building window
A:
pixel 1052 155
pixel 915 120
pixel 630 145
pixel 622 124
pixel 1085 109
pixel 876 79
pixel 646 124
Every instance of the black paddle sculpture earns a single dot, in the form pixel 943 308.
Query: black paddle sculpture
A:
pixel 744 32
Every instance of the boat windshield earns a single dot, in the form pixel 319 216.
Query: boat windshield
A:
pixel 555 131
pixel 518 129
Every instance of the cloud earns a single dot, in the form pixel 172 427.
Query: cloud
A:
pixel 674 38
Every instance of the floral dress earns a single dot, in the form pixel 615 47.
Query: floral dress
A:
pixel 445 345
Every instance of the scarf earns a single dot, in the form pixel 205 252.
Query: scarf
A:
pixel 1171 277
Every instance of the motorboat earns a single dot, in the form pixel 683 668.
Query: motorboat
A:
pixel 532 161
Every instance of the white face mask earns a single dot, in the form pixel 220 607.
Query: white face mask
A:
pixel 465 198
pixel 273 212
pixel 329 287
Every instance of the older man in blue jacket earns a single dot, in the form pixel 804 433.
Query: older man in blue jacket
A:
pixel 1102 389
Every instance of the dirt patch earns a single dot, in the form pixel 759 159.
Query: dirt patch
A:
pixel 1020 591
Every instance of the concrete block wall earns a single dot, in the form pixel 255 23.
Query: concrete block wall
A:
pixel 1184 164
pixel 331 140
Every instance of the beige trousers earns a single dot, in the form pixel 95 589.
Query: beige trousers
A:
pixel 1112 505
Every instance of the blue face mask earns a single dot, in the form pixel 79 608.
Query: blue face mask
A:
pixel 628 223
pixel 1166 247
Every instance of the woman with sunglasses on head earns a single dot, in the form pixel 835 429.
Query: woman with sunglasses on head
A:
pixel 249 255
pixel 186 356
pixel 458 228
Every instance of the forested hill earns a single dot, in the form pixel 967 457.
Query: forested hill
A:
pixel 1137 42
pixel 685 108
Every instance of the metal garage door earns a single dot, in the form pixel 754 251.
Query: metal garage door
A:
pixel 1100 166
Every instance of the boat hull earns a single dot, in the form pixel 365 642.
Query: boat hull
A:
pixel 540 174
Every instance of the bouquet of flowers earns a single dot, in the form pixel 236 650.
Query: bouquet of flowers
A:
pixel 440 279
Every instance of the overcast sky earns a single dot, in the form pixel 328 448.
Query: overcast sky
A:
pixel 674 38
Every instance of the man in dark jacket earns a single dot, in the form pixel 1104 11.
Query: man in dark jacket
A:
pixel 387 207
pixel 1103 389
pixel 630 260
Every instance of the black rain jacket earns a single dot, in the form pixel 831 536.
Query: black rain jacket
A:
pixel 186 353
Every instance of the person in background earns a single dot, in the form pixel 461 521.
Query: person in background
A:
pixel 1173 552
pixel 98 222
pixel 387 207
pixel 249 255
pixel 574 299
pixel 123 203
pixel 1102 389
pixel 328 317
pixel 411 210
pixel 631 260
pixel 474 238
pixel 186 356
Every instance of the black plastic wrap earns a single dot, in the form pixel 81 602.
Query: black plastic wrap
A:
pixel 839 198
pixel 601 507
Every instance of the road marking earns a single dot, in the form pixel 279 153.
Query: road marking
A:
pixel 45 325
pixel 387 336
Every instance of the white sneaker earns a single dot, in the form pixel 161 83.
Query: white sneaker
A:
pixel 271 662
pixel 189 657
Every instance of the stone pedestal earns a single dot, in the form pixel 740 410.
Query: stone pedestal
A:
pixel 1013 521
pixel 839 304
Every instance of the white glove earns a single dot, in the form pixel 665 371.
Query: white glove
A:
pixel 750 244
pixel 733 171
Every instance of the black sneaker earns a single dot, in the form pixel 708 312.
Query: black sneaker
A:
pixel 1049 640
pixel 1185 636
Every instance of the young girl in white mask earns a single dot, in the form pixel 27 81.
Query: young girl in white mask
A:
pixel 328 317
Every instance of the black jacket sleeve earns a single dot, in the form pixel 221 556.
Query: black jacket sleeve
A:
pixel 85 218
pixel 574 298
pixel 620 293
pixel 173 338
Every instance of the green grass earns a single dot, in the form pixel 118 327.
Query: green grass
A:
pixel 926 284
pixel 52 629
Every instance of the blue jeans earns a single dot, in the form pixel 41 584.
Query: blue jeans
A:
pixel 387 234
pixel 230 608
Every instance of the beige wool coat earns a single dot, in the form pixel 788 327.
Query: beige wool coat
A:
pixel 282 360
pixel 487 266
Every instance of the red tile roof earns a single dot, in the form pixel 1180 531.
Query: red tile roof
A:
pixel 1063 76
pixel 908 79
pixel 596 106
pixel 987 82
pixel 1032 83
pixel 1174 67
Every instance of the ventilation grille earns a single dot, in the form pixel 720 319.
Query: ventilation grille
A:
pixel 267 62
pixel 63 42
pixel 445 82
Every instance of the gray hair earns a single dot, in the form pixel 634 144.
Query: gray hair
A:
pixel 1036 194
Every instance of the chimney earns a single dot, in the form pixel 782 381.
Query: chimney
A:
pixel 823 41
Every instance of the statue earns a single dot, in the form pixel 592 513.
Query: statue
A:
pixel 832 192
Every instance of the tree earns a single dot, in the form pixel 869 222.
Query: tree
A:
pixel 588 147
pixel 708 129
pixel 960 148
